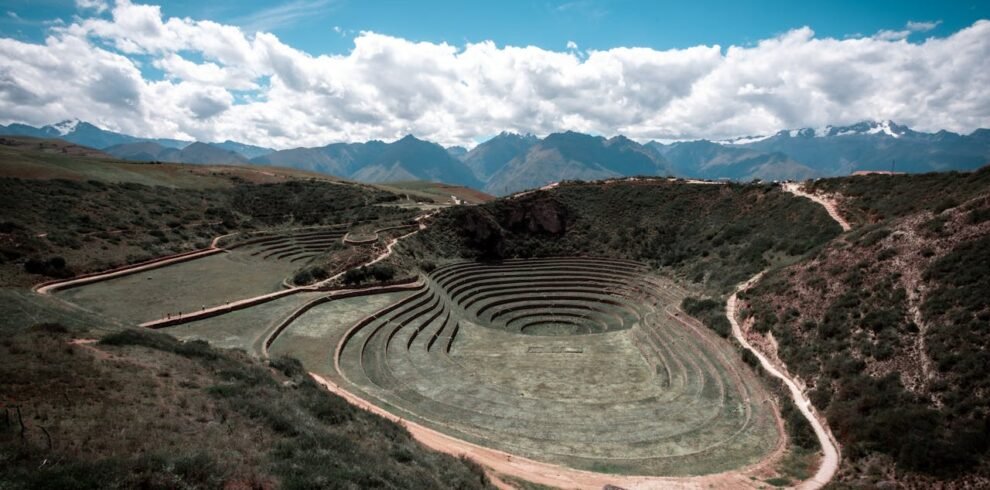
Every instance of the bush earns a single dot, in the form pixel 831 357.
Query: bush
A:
pixel 378 272
pixel 162 342
pixel 53 267
pixel 750 358
pixel 709 312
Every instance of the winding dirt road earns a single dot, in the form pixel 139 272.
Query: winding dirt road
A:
pixel 830 447
pixel 828 204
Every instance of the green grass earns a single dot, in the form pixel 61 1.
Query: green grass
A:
pixel 593 401
pixel 144 410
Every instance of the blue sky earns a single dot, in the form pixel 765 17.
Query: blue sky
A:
pixel 312 72
pixel 592 24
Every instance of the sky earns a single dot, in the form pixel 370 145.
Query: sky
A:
pixel 312 72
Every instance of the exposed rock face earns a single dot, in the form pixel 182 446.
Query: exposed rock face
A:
pixel 482 232
pixel 537 216
pixel 486 230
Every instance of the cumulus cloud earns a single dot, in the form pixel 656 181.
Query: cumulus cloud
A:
pixel 924 26
pixel 221 82
pixel 99 6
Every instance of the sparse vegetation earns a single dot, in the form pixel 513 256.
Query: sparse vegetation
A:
pixel 143 410
pixel 874 198
pixel 711 312
pixel 717 235
pixel 58 228
pixel 908 387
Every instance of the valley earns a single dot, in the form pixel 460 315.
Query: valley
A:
pixel 627 331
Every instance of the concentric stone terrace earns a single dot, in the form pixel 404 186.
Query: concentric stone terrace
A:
pixel 295 247
pixel 578 361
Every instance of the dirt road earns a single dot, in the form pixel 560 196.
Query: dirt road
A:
pixel 830 448
pixel 827 203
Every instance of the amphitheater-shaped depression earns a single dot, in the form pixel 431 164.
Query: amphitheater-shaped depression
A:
pixel 583 362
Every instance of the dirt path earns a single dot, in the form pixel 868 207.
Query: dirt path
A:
pixel 830 447
pixel 827 203
pixel 420 220
pixel 502 463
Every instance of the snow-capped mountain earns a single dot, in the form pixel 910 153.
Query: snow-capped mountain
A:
pixel 66 127
pixel 887 128
pixel 873 145
pixel 84 133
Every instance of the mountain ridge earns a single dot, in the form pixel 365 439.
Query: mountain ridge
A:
pixel 506 162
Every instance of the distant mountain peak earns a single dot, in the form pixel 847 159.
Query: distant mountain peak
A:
pixel 515 135
pixel 742 140
pixel 67 126
pixel 886 127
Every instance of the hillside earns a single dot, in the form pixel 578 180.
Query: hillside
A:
pixel 337 159
pixel 64 215
pixel 16 149
pixel 712 235
pixel 197 152
pixel 436 192
pixel 413 159
pixel 886 326
pixel 143 410
pixel 575 156
pixel 489 157
pixel 704 159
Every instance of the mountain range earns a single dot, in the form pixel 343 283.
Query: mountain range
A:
pixel 511 162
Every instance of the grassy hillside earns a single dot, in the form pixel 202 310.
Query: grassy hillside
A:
pixel 873 198
pixel 888 327
pixel 143 410
pixel 33 158
pixel 436 192
pixel 77 211
pixel 715 235
pixel 60 228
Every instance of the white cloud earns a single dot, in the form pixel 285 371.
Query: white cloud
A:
pixel 282 15
pixel 572 45
pixel 386 86
pixel 922 26
pixel 887 35
pixel 910 28
pixel 99 6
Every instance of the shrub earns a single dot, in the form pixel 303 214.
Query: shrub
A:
pixel 162 342
pixel 710 312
